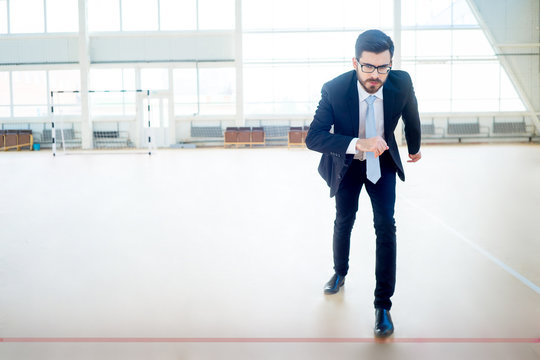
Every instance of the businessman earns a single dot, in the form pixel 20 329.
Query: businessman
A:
pixel 363 106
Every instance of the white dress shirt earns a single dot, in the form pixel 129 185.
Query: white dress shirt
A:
pixel 379 119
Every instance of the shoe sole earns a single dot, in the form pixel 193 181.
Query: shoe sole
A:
pixel 385 336
pixel 332 292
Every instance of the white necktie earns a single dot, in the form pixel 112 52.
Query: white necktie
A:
pixel 372 163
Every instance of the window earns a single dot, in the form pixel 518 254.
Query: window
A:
pixel 456 43
pixel 155 79
pixel 510 100
pixel 65 80
pixel 139 15
pixel 453 65
pixel 291 91
pixel 433 44
pixel 26 16
pixel 289 14
pixel 435 95
pixel 316 14
pixel 178 15
pixel 299 46
pixel 112 79
pixel 114 102
pixel 257 15
pixel 216 15
pixel 321 73
pixel 62 16
pixel 5 100
pixel 259 89
pixel 324 14
pixel 380 15
pixel 286 89
pixel 185 91
pixel 154 15
pixel 217 91
pixel 471 43
pixel 103 15
pixel 3 17
pixel 475 86
pixel 29 93
pixel 284 70
pixel 426 12
pixel 462 14
pixel 463 86
pixel 436 13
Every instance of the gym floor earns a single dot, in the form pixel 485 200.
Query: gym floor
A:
pixel 223 254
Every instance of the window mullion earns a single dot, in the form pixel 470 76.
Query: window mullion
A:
pixel 45 16
pixel 159 15
pixel 8 18
pixel 120 14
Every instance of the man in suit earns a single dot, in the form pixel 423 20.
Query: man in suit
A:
pixel 363 107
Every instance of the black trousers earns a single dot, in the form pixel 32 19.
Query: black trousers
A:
pixel 383 198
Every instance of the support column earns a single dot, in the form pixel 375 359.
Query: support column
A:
pixel 172 120
pixel 396 61
pixel 238 60
pixel 84 66
pixel 138 137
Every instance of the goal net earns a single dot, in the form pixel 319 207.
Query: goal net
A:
pixel 119 120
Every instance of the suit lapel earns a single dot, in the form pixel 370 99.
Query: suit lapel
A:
pixel 389 95
pixel 388 105
pixel 354 106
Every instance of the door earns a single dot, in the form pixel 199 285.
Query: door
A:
pixel 155 120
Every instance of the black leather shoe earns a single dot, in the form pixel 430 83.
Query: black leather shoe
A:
pixel 333 285
pixel 384 327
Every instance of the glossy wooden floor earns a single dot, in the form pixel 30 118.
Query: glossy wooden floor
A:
pixel 222 254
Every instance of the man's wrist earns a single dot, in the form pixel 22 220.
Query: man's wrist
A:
pixel 352 147
pixel 361 145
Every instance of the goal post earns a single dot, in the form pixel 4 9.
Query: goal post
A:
pixel 113 130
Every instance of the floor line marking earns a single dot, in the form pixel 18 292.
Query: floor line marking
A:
pixel 265 340
pixel 478 248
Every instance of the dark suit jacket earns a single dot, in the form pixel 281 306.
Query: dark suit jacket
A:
pixel 339 107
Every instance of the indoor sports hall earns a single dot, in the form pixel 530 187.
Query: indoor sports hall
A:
pixel 161 199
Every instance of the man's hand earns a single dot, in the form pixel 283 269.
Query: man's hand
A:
pixel 375 144
pixel 415 157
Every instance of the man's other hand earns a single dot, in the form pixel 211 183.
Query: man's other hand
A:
pixel 415 157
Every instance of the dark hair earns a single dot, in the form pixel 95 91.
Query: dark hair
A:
pixel 374 41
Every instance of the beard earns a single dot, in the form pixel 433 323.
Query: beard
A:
pixel 371 85
pixel 368 85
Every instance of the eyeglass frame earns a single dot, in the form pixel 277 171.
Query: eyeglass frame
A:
pixel 385 66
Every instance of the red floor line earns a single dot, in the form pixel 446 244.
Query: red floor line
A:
pixel 261 340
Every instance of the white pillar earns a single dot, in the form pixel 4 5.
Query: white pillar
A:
pixel 172 120
pixel 141 110
pixel 396 61
pixel 84 66
pixel 240 120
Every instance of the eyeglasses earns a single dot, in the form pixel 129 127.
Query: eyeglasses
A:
pixel 368 68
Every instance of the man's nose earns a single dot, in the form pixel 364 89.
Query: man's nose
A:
pixel 375 74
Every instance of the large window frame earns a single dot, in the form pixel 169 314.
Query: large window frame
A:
pixel 455 24
pixel 66 105
pixel 308 56
pixel 41 17
pixel 194 16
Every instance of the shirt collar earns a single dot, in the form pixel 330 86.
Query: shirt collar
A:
pixel 363 94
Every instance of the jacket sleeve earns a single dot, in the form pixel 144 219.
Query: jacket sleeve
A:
pixel 319 137
pixel 411 120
